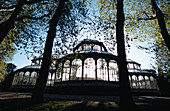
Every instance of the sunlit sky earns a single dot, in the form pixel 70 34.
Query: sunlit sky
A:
pixel 138 55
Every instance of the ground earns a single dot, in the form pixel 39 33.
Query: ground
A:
pixel 21 101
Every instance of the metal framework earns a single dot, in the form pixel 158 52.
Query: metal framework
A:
pixel 90 61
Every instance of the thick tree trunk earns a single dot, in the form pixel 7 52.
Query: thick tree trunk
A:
pixel 126 101
pixel 6 26
pixel 38 94
pixel 161 22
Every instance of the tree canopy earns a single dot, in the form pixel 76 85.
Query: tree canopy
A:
pixel 141 23
pixel 7 50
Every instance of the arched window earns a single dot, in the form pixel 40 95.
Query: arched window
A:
pixel 153 82
pixel 130 80
pixel 141 82
pixel 134 82
pixel 102 73
pixel 96 48
pixel 87 47
pixel 66 70
pixel 20 78
pixel 89 69
pixel 147 82
pixel 59 73
pixel 34 77
pixel 26 78
pixel 113 71
pixel 50 80
pixel 17 79
pixel 76 70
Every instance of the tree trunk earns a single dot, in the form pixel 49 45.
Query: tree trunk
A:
pixel 38 94
pixel 6 26
pixel 126 101
pixel 161 22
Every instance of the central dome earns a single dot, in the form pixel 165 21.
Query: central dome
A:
pixel 89 45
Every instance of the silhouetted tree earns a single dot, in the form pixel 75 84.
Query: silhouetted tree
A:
pixel 63 28
pixel 16 7
pixel 126 101
pixel 37 95
pixel 160 17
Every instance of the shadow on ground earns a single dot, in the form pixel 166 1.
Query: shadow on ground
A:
pixel 93 106
pixel 14 104
pixel 149 103
pixel 23 103
pixel 75 106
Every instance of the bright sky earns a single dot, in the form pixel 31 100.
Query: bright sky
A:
pixel 20 60
pixel 135 54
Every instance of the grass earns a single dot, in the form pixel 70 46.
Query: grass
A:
pixel 15 102
pixel 25 105
pixel 72 106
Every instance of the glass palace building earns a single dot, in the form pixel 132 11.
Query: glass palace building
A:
pixel 89 69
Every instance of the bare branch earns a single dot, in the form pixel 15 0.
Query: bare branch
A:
pixel 11 7
pixel 34 1
pixel 149 18
pixel 34 18
pixel 26 32
pixel 146 14
pixel 4 9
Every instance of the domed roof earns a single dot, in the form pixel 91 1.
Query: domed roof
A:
pixel 89 41
pixel 132 61
pixel 32 67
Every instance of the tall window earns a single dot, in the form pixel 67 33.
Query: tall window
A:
pixel 89 69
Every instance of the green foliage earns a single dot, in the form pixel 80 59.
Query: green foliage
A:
pixel 69 27
pixel 2 70
pixel 140 25
pixel 7 50
pixel 90 106
pixel 29 24
pixel 32 24
pixel 162 56
pixel 143 30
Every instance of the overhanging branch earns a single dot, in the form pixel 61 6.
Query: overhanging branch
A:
pixel 33 18
pixel 149 18
pixel 34 1
pixel 11 8
pixel 4 9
